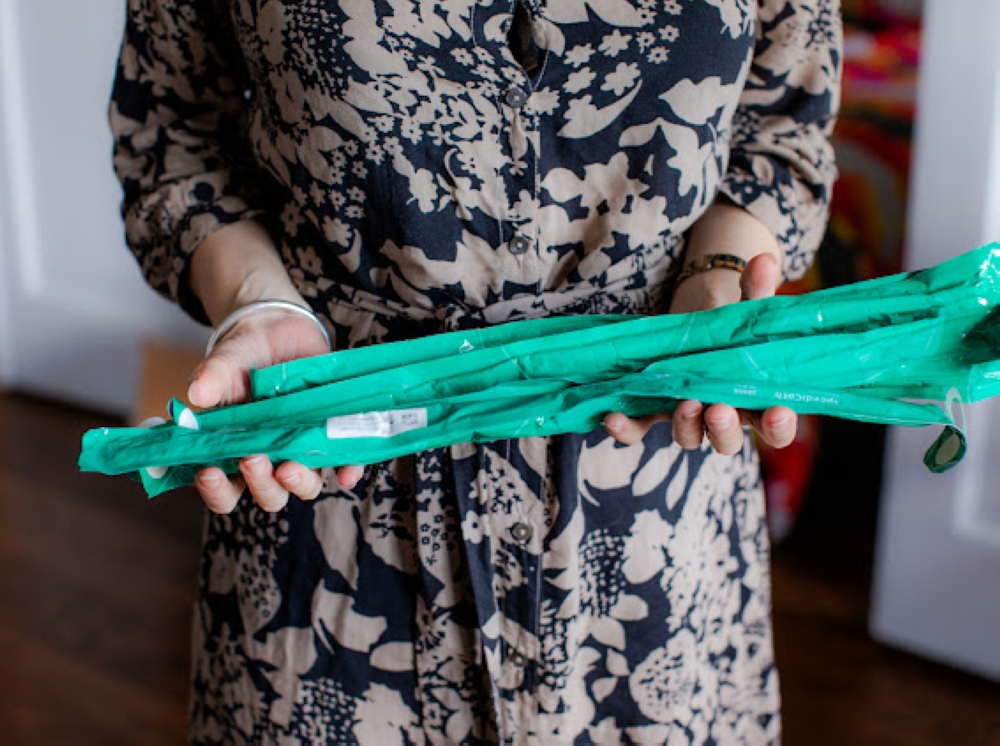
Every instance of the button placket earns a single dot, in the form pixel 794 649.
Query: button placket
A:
pixel 516 97
pixel 522 532
pixel 517 658
pixel 521 179
pixel 519 624
pixel 519 244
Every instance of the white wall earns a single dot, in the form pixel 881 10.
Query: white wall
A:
pixel 73 305
pixel 936 589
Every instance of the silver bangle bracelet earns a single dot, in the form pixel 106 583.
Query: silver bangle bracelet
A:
pixel 263 305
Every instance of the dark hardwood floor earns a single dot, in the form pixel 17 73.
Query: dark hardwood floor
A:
pixel 96 585
pixel 95 592
pixel 838 685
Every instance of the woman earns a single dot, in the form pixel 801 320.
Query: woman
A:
pixel 407 167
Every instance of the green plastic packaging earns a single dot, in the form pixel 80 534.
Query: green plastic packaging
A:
pixel 880 351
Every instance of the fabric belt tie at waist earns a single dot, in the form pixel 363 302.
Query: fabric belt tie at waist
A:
pixel 636 294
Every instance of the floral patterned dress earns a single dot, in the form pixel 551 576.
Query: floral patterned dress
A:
pixel 427 165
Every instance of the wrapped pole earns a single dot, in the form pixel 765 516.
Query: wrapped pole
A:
pixel 859 352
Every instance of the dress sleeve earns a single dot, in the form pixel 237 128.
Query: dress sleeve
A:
pixel 781 166
pixel 177 113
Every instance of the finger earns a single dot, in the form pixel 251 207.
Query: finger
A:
pixel 266 491
pixel 301 481
pixel 631 430
pixel 687 425
pixel 761 277
pixel 214 383
pixel 778 426
pixel 219 493
pixel 349 476
pixel 722 425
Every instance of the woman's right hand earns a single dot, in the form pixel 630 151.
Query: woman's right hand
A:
pixel 263 338
pixel 232 267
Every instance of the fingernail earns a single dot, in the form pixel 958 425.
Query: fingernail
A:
pixel 716 420
pixel 254 463
pixel 291 478
pixel 209 480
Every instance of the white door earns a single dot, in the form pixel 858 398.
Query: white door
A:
pixel 937 581
pixel 72 304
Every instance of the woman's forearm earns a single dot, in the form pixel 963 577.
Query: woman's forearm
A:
pixel 236 265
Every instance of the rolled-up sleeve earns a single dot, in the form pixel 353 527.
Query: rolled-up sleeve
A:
pixel 178 118
pixel 781 166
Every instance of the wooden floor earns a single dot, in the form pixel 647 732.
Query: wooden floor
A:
pixel 96 585
pixel 838 686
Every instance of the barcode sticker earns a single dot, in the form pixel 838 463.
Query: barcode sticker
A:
pixel 376 424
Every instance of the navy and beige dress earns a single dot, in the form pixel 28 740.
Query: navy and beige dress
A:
pixel 429 165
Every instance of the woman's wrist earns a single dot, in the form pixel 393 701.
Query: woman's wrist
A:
pixel 727 229
pixel 238 265
pixel 706 290
pixel 261 306
pixel 710 263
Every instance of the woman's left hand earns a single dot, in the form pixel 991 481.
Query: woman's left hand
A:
pixel 691 421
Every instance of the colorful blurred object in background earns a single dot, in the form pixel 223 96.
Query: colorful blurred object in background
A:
pixel 867 225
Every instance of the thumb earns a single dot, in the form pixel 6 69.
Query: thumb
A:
pixel 215 383
pixel 761 277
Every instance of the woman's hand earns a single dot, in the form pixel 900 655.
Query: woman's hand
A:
pixel 263 338
pixel 723 424
pixel 231 268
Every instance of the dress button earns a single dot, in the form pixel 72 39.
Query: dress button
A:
pixel 516 97
pixel 518 659
pixel 519 244
pixel 521 532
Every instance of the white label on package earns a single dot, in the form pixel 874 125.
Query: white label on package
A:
pixel 376 424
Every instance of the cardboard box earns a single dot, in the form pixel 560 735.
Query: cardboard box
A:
pixel 165 373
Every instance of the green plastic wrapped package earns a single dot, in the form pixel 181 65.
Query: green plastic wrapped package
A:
pixel 909 349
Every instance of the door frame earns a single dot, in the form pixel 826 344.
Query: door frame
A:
pixel 938 534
